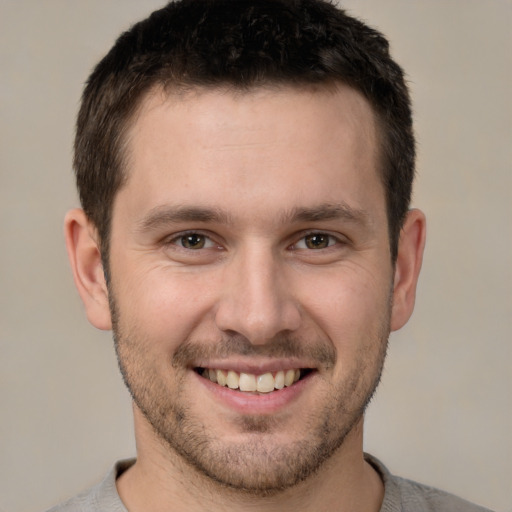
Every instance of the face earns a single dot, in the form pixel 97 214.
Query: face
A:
pixel 250 249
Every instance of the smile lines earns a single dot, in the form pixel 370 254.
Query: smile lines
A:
pixel 264 383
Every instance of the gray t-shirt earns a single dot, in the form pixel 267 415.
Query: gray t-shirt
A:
pixel 400 495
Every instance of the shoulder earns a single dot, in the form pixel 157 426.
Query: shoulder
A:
pixel 402 495
pixel 419 497
pixel 83 502
pixel 99 498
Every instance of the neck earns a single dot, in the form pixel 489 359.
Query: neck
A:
pixel 161 480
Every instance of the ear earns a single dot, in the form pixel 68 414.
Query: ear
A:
pixel 84 254
pixel 407 267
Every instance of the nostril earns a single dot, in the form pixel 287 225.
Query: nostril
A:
pixel 257 311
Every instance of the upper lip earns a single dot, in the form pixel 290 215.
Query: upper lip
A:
pixel 256 367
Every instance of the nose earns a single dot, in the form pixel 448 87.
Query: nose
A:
pixel 257 299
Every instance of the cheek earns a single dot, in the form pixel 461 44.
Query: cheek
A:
pixel 354 315
pixel 164 307
pixel 351 307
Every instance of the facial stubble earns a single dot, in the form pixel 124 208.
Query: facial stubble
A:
pixel 256 466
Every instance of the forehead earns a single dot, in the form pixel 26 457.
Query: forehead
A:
pixel 327 103
pixel 279 145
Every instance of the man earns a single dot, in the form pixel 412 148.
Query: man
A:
pixel 245 171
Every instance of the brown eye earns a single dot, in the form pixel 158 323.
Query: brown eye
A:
pixel 317 241
pixel 193 241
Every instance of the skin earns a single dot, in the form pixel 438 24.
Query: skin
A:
pixel 257 178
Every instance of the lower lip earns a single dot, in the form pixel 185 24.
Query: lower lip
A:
pixel 265 403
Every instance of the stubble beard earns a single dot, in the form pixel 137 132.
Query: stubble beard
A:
pixel 255 466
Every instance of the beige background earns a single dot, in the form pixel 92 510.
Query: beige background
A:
pixel 443 412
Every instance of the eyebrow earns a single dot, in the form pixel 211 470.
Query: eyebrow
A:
pixel 161 216
pixel 328 211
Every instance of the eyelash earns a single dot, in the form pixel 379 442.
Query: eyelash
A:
pixel 332 240
pixel 175 240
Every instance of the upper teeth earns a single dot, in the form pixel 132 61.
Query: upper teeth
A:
pixel 264 383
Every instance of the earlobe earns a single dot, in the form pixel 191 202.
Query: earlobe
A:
pixel 85 257
pixel 407 267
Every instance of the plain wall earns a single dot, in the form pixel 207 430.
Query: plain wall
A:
pixel 443 413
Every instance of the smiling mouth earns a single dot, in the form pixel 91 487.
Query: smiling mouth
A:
pixel 248 382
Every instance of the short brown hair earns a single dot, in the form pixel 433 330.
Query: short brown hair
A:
pixel 240 44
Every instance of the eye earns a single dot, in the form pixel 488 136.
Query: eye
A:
pixel 193 241
pixel 316 241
